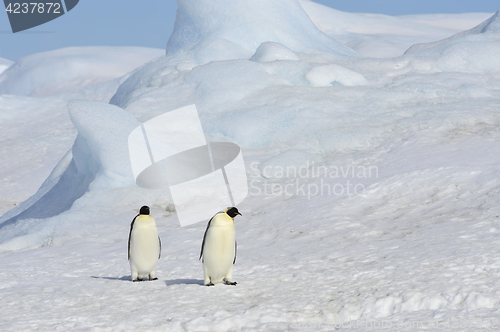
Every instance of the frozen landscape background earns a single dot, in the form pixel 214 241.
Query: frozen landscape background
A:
pixel 373 158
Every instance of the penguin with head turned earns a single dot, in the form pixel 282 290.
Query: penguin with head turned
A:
pixel 144 246
pixel 218 249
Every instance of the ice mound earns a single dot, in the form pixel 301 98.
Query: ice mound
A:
pixel 270 51
pixel 328 75
pixel 99 160
pixel 4 64
pixel 217 29
pixel 491 25
pixel 71 69
pixel 101 147
pixel 384 36
pixel 159 87
pixel 474 50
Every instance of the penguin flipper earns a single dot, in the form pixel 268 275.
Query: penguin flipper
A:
pixel 130 235
pixel 159 241
pixel 235 250
pixel 204 237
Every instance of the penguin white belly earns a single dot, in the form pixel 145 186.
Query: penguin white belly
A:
pixel 144 249
pixel 218 253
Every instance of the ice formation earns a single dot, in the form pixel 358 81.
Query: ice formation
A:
pixel 367 178
pixel 226 29
pixel 383 36
pixel 474 50
pixel 328 75
pixel 4 64
pixel 270 51
pixel 491 25
pixel 71 69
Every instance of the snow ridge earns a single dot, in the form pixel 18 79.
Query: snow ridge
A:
pixel 241 26
pixel 491 25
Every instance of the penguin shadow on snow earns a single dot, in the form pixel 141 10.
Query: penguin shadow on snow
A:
pixel 124 278
pixel 184 282
pixel 167 282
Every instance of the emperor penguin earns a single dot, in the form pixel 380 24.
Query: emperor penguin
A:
pixel 144 246
pixel 219 248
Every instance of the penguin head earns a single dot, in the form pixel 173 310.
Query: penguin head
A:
pixel 144 210
pixel 232 212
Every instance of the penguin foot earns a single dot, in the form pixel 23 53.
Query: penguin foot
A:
pixel 153 279
pixel 210 284
pixel 231 283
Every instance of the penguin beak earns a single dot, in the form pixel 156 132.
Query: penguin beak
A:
pixel 239 213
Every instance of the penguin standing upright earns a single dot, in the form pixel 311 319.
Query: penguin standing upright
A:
pixel 144 246
pixel 219 248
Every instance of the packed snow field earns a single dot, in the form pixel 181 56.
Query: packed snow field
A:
pixel 371 145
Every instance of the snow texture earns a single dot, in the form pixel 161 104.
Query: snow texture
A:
pixel 71 69
pixel 4 64
pixel 334 75
pixel 491 25
pixel 373 182
pixel 474 50
pixel 269 51
pixel 203 27
pixel 383 36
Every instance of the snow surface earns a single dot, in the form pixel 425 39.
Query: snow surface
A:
pixel 476 49
pixel 4 64
pixel 27 156
pixel 270 51
pixel 369 203
pixel 383 36
pixel 491 25
pixel 72 69
pixel 221 25
pixel 329 75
